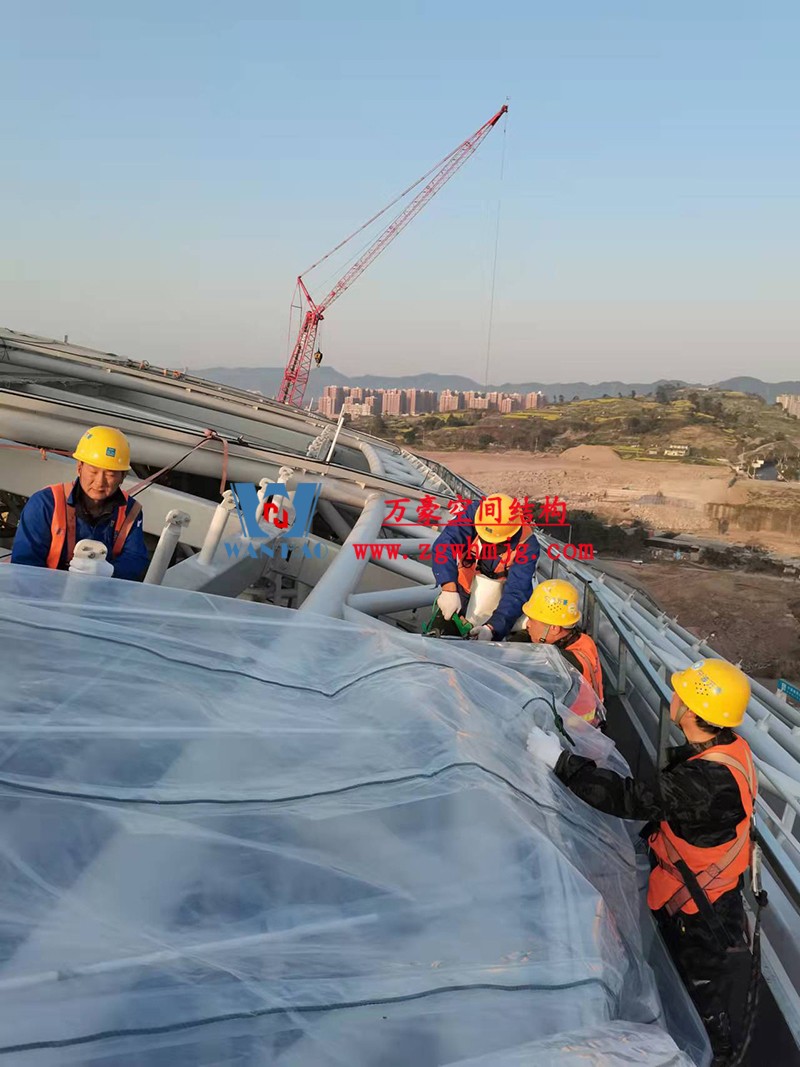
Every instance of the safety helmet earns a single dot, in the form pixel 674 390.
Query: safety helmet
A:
pixel 105 447
pixel 494 519
pixel 714 690
pixel 555 602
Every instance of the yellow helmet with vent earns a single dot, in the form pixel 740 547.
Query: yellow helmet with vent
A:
pixel 714 690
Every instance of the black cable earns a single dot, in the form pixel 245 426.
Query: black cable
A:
pixel 305 1009
pixel 751 1002
pixel 237 671
pixel 337 791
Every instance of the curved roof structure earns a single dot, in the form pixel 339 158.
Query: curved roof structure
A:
pixel 253 815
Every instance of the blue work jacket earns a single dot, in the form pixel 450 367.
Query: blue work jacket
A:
pixel 32 539
pixel 519 583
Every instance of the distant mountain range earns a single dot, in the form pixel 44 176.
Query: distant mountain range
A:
pixel 267 380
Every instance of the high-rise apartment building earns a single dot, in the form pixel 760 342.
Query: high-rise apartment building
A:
pixel 394 402
pixel 450 401
pixel 420 401
pixel 332 400
pixel 510 402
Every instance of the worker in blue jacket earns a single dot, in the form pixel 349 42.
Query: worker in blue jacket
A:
pixel 93 507
pixel 490 538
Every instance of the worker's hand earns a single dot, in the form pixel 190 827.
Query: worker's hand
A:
pixel 483 633
pixel 449 604
pixel 544 746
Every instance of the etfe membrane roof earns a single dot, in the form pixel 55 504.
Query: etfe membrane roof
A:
pixel 236 833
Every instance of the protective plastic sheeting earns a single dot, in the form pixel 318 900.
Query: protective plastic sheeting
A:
pixel 235 834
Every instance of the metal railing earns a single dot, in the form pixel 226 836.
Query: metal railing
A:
pixel 638 654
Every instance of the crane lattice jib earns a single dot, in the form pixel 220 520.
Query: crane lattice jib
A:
pixel 297 370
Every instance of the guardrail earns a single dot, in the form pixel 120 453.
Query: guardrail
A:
pixel 639 647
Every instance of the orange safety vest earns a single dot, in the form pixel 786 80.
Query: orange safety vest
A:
pixel 62 526
pixel 468 563
pixel 585 651
pixel 717 869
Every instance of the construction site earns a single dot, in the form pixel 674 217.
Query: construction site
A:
pixel 270 800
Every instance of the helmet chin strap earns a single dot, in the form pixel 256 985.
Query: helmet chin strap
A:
pixel 545 635
pixel 679 714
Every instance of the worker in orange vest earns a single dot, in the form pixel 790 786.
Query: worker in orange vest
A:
pixel 553 617
pixel 490 539
pixel 699 831
pixel 92 507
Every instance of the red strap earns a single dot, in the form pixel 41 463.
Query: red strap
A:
pixel 36 448
pixel 209 435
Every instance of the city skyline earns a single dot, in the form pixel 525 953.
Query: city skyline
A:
pixel 360 401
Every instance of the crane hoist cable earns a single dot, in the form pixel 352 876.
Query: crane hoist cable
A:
pixel 494 262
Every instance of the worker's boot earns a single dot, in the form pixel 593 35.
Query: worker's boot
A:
pixel 718 1028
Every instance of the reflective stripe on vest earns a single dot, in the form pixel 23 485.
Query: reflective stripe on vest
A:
pixel 717 869
pixel 467 563
pixel 585 651
pixel 62 525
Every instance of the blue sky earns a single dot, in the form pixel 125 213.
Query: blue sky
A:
pixel 169 169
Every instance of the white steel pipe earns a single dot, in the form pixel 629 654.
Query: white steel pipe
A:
pixel 340 579
pixel 176 522
pixel 408 568
pixel 197 392
pixel 386 602
pixel 409 546
pixel 372 457
pixel 216 527
pixel 334 519
pixel 335 438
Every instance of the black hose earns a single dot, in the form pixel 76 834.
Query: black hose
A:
pixel 751 1004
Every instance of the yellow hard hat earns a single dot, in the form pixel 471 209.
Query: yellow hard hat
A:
pixel 714 690
pixel 103 446
pixel 555 602
pixel 493 519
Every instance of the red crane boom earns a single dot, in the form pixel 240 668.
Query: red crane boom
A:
pixel 295 376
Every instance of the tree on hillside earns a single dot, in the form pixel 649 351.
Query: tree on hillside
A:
pixel 561 398
pixel 576 397
pixel 633 394
pixel 542 435
pixel 431 422
pixel 665 393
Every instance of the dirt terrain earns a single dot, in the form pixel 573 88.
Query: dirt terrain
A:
pixel 754 618
pixel 683 497
pixel 749 617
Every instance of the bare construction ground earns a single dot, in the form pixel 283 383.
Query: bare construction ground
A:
pixel 751 618
pixel 683 497
pixel 754 618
